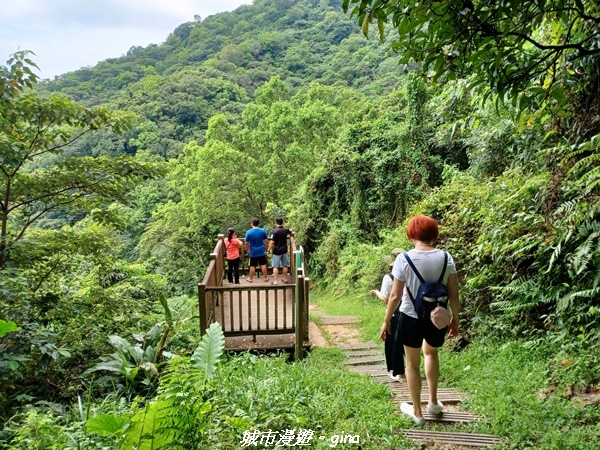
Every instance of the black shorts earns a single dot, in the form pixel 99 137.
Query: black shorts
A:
pixel 258 261
pixel 411 332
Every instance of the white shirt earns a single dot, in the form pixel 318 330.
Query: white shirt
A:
pixel 429 264
pixel 386 286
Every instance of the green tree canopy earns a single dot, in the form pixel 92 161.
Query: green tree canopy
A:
pixel 509 45
pixel 34 176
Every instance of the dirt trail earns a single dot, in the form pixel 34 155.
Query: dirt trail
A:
pixel 335 334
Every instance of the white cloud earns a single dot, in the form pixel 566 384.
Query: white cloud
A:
pixel 66 35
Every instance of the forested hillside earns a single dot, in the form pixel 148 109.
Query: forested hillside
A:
pixel 116 180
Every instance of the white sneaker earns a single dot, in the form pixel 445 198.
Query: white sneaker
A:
pixel 397 378
pixel 407 409
pixel 435 409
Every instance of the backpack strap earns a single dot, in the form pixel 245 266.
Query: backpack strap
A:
pixel 444 268
pixel 412 265
pixel 389 274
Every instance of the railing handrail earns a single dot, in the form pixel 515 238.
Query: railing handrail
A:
pixel 250 288
pixel 209 269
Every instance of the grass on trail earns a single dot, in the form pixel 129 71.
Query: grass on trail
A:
pixel 268 393
pixel 506 382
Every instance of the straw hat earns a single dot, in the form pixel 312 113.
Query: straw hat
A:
pixel 389 260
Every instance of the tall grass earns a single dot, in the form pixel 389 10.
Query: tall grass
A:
pixel 318 394
pixel 509 387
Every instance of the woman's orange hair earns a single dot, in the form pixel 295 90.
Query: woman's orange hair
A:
pixel 422 228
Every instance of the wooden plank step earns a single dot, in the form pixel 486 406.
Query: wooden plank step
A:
pixel 443 437
pixel 447 399
pixel 338 320
pixel 451 417
pixel 372 368
pixel 380 375
pixel 403 388
pixel 385 378
pixel 359 346
pixel 370 352
pixel 365 360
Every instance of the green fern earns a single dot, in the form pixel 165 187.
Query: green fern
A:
pixel 209 351
pixel 178 417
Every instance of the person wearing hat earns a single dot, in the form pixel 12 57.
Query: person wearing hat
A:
pixel 394 351
pixel 232 254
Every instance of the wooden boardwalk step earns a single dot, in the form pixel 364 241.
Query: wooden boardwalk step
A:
pixel 402 388
pixel 379 375
pixel 442 437
pixel 376 368
pixel 384 377
pixel 338 320
pixel 365 360
pixel 451 416
pixel 361 359
pixel 359 346
pixel 368 352
pixel 447 399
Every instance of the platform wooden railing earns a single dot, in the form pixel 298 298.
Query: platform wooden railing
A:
pixel 302 289
pixel 253 310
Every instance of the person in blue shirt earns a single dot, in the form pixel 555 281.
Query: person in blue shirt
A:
pixel 256 241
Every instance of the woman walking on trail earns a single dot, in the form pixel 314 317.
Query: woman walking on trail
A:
pixel 394 351
pixel 232 253
pixel 429 264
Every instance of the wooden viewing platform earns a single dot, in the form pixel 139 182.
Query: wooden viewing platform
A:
pixel 257 315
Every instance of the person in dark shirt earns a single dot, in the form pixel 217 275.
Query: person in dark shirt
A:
pixel 278 247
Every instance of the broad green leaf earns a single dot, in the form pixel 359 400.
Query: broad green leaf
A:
pixel 126 348
pixel 111 366
pixel 106 424
pixel 365 25
pixel 7 327
pixel 165 304
pixel 380 22
pixel 146 432
pixel 210 350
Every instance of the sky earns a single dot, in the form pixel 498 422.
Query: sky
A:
pixel 66 35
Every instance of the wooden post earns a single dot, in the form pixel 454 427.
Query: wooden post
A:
pixel 299 323
pixel 243 257
pixel 300 318
pixel 221 262
pixel 202 308
pixel 213 279
pixel 305 309
pixel 293 253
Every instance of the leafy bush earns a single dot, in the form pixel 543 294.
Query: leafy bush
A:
pixel 508 381
pixel 137 363
pixel 527 245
